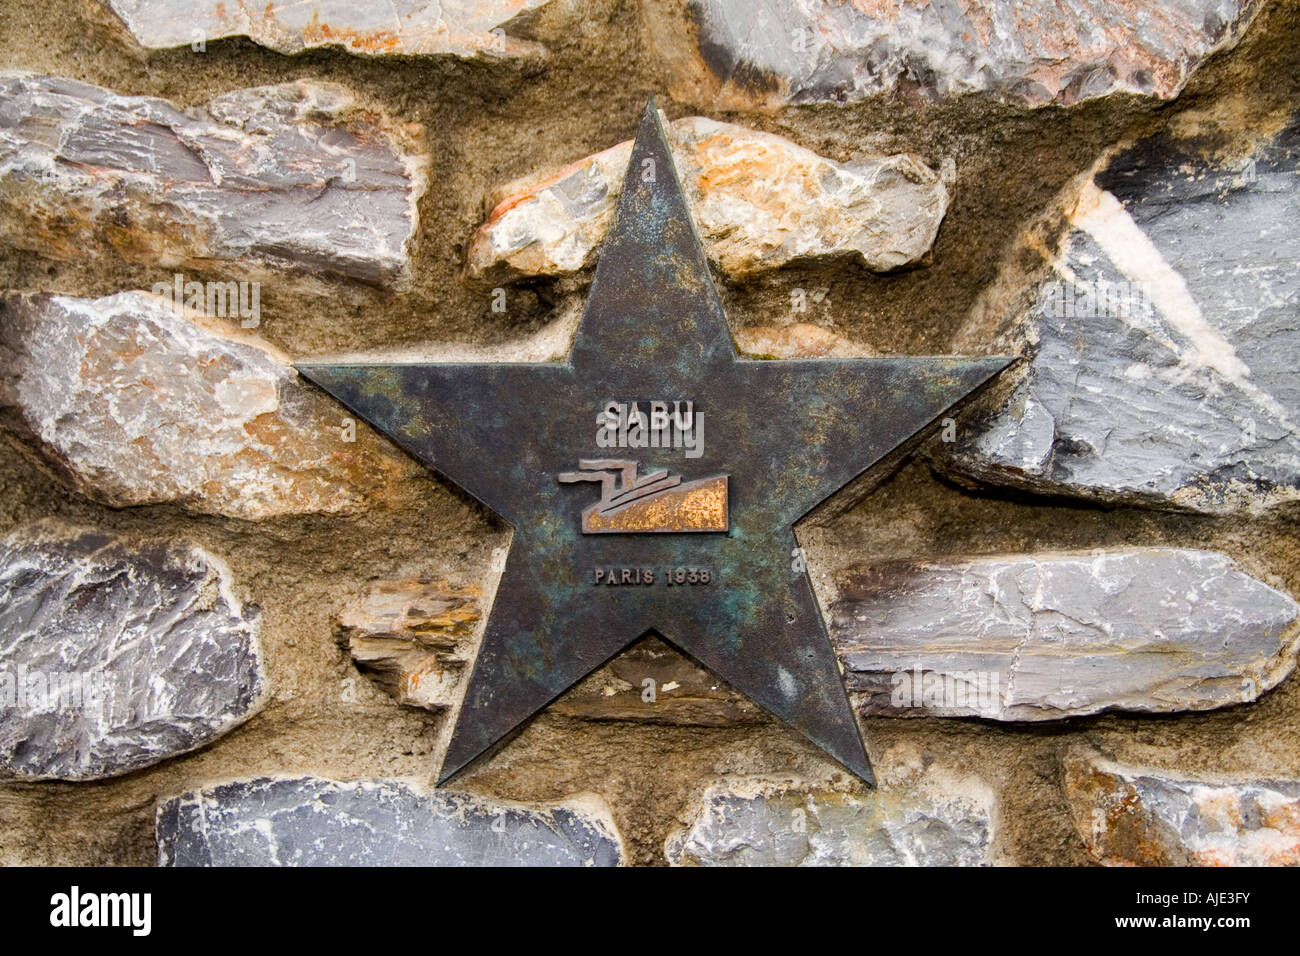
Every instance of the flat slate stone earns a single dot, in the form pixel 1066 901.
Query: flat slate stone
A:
pixel 308 821
pixel 758 201
pixel 745 54
pixel 469 29
pixel 116 655
pixel 135 402
pixel 1161 349
pixel 1025 638
pixel 296 176
pixel 771 823
pixel 1129 816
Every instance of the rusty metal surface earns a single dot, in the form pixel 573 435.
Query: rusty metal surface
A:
pixel 657 501
pixel 785 435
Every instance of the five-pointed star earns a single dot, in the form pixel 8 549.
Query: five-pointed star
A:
pixel 787 434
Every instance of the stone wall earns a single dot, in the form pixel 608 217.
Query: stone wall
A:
pixel 234 624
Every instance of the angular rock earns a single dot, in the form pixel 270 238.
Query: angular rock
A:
pixel 1022 638
pixel 115 656
pixel 1135 817
pixel 135 403
pixel 759 201
pixel 414 638
pixel 478 29
pixel 654 684
pixel 307 821
pixel 742 54
pixel 296 176
pixel 770 823
pixel 1162 350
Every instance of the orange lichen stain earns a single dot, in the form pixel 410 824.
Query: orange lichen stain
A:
pixel 747 169
pixel 1222 808
pixel 579 165
pixel 531 188
pixel 1213 858
pixel 1088 201
pixel 432 607
pixel 884 11
pixel 1284 817
pixel 504 206
pixel 458 618
pixel 427 612
pixel 375 41
pixel 724 162
pixel 1127 838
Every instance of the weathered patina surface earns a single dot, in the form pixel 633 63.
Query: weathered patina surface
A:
pixel 786 434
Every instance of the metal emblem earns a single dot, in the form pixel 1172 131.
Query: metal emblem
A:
pixel 656 501
pixel 691 536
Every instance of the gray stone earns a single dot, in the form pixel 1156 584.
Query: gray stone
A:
pixel 295 176
pixel 738 54
pixel 1161 349
pixel 772 823
pixel 1130 816
pixel 307 821
pixel 758 201
pixel 116 655
pixel 1021 638
pixel 135 402
pixel 469 29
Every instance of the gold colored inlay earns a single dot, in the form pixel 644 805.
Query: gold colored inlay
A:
pixel 696 506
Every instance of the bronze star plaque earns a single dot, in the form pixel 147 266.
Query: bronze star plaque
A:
pixel 652 480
